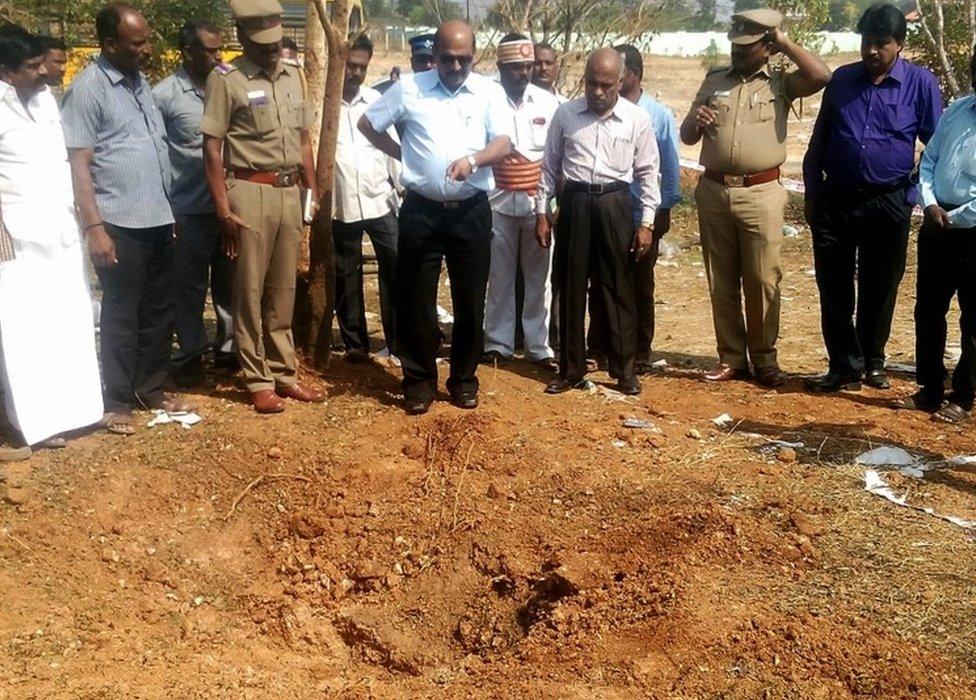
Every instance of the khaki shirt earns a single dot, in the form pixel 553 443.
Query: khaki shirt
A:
pixel 749 132
pixel 260 118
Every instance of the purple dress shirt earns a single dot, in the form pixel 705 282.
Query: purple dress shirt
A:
pixel 865 133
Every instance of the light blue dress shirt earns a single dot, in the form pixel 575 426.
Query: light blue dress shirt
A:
pixel 116 117
pixel 438 126
pixel 947 173
pixel 666 133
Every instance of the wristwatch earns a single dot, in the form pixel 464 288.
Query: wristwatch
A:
pixel 474 164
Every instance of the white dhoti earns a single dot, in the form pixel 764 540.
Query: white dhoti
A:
pixel 513 244
pixel 48 342
pixel 47 336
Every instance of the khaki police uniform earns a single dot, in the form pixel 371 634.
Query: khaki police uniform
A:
pixel 261 118
pixel 741 201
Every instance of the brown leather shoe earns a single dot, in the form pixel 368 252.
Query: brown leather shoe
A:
pixel 726 373
pixel 771 376
pixel 266 401
pixel 300 392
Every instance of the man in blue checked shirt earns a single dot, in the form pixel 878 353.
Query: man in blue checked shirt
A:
pixel 947 263
pixel 666 133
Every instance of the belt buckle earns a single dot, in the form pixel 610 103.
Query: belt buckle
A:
pixel 735 180
pixel 594 188
pixel 284 179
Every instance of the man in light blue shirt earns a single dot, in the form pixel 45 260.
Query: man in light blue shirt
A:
pixel 947 263
pixel 453 128
pixel 200 260
pixel 666 134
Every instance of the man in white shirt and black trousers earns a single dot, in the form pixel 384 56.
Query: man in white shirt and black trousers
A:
pixel 452 130
pixel 597 145
pixel 364 198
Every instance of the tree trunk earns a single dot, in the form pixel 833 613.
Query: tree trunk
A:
pixel 316 327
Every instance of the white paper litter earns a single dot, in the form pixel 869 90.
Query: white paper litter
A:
pixel 885 456
pixel 637 423
pixel 874 483
pixel 722 421
pixel 608 395
pixel 666 263
pixel 618 443
pixel 444 316
pixel 659 364
pixel 777 445
pixel 961 460
pixel 184 418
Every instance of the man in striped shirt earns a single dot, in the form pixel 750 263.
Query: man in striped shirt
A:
pixel 121 170
pixel 597 146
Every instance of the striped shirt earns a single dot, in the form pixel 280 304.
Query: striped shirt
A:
pixel 619 147
pixel 115 116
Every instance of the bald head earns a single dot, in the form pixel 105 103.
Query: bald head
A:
pixel 124 36
pixel 604 68
pixel 453 53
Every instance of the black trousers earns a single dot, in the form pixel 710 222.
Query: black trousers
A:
pixel 430 233
pixel 593 247
pixel 946 267
pixel 350 304
pixel 596 334
pixel 138 316
pixel 862 236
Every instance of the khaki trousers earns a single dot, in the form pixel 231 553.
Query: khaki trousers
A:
pixel 741 235
pixel 264 282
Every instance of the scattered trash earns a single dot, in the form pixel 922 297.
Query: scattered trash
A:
pixel 874 483
pixel 609 395
pixel 666 263
pixel 885 456
pixel 810 273
pixel 444 316
pixel 776 446
pixel 961 460
pixel 900 367
pixel 667 250
pixel 694 434
pixel 953 352
pixel 790 231
pixel 723 421
pixel 618 443
pixel 659 364
pixel 184 418
pixel 637 423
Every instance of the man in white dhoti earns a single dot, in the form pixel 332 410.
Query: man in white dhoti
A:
pixel 51 381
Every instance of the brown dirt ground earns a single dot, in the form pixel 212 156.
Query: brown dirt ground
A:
pixel 534 546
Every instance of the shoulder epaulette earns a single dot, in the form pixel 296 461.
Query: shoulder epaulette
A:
pixel 225 68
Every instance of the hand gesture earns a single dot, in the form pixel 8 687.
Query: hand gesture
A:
pixel 231 227
pixel 459 170
pixel 705 117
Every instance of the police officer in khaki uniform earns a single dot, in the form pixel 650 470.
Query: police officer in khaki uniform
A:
pixel 257 152
pixel 740 116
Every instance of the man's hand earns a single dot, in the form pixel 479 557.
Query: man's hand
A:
pixel 459 170
pixel 662 222
pixel 642 242
pixel 938 216
pixel 778 38
pixel 101 247
pixel 231 227
pixel 705 117
pixel 543 231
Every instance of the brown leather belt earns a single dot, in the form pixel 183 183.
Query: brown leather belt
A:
pixel 275 179
pixel 743 180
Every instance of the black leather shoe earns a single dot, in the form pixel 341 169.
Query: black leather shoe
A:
pixel 190 375
pixel 493 357
pixel 417 405
pixel 832 382
pixel 877 379
pixel 465 399
pixel 630 386
pixel 560 385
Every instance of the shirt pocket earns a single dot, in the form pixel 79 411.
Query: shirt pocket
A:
pixel 263 116
pixel 722 105
pixel 296 113
pixel 897 116
pixel 621 152
pixel 764 107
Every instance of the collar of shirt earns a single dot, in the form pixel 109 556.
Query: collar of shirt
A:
pixel 761 73
pixel 430 80
pixel 250 69
pixel 361 96
pixel 897 72
pixel 116 76
pixel 186 82
pixel 584 107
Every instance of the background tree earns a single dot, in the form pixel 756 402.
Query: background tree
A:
pixel 942 39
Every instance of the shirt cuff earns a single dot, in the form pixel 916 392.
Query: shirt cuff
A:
pixel 541 205
pixel 928 196
pixel 647 214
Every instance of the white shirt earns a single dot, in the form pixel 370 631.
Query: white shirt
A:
pixel 36 195
pixel 363 187
pixel 439 126
pixel 529 125
pixel 618 147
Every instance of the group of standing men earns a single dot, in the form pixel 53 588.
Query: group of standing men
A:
pixel 199 183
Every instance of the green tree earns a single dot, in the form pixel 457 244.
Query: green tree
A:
pixel 942 40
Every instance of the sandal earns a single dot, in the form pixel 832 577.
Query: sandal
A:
pixel 118 423
pixel 547 363
pixel 173 404
pixel 951 413
pixel 917 402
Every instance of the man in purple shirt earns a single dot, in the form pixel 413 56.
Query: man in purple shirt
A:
pixel 859 195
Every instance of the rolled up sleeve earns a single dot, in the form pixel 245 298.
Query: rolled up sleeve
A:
pixel 387 110
pixel 217 107
pixel 81 114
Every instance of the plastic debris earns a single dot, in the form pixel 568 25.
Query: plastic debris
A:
pixel 444 316
pixel 722 421
pixel 875 483
pixel 184 418
pixel 659 364
pixel 886 457
pixel 790 231
pixel 637 423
